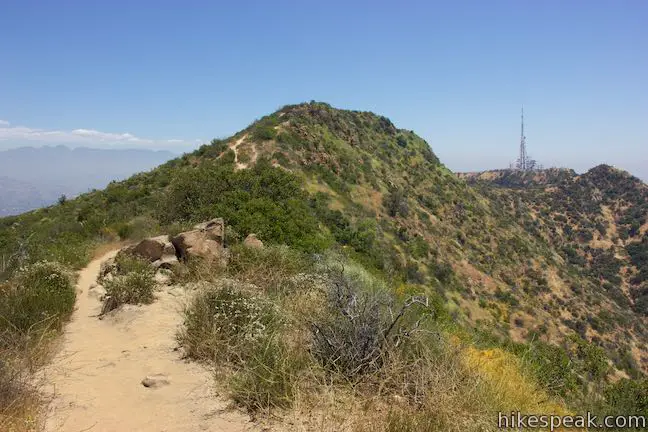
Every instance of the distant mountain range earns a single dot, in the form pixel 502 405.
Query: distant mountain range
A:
pixel 33 177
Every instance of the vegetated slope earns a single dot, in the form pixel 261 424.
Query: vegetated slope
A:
pixel 320 177
pixel 597 222
pixel 519 179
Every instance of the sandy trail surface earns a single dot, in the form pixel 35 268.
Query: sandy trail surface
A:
pixel 253 156
pixel 95 380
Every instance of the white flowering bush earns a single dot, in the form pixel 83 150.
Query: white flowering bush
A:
pixel 41 295
pixel 225 322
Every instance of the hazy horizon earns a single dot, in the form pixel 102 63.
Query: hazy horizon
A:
pixel 180 152
pixel 457 73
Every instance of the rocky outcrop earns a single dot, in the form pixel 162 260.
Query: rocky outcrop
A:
pixel 153 249
pixel 252 241
pixel 205 241
pixel 213 229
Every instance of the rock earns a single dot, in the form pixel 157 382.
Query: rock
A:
pixel 96 291
pixel 205 241
pixel 162 278
pixel 152 249
pixel 214 229
pixel 155 381
pixel 166 262
pixel 252 241
pixel 107 267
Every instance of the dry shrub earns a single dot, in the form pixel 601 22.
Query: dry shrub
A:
pixel 346 355
pixel 20 401
pixel 362 323
pixel 433 390
pixel 197 270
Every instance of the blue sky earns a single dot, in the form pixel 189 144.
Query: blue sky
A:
pixel 168 74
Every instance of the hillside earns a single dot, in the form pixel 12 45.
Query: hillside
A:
pixel 525 264
pixel 597 223
pixel 33 177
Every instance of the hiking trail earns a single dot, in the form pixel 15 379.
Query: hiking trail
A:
pixel 95 381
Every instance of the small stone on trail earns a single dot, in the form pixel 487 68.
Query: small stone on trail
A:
pixel 154 381
pixel 97 291
pixel 162 279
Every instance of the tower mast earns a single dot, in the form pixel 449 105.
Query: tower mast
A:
pixel 523 159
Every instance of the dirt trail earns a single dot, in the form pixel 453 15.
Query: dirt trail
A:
pixel 95 381
pixel 253 156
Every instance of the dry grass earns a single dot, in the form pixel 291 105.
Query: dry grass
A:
pixel 443 386
pixel 21 354
pixel 33 307
pixel 427 381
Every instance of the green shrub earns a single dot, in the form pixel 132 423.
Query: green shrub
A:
pixel 41 295
pixel 269 268
pixel 264 200
pixel 264 133
pixel 132 284
pixel 418 247
pixel 223 323
pixel 628 396
pixel 244 155
pixel 124 230
pixel 126 264
pixel 36 300
pixel 396 203
pixel 442 271
pixel 552 367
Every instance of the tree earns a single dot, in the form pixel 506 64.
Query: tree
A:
pixel 396 203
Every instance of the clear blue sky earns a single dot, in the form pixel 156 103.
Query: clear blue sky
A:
pixel 455 72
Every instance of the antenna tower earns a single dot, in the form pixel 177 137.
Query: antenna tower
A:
pixel 524 162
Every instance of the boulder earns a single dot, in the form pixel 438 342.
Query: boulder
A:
pixel 252 241
pixel 152 249
pixel 214 229
pixel 205 241
pixel 196 244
